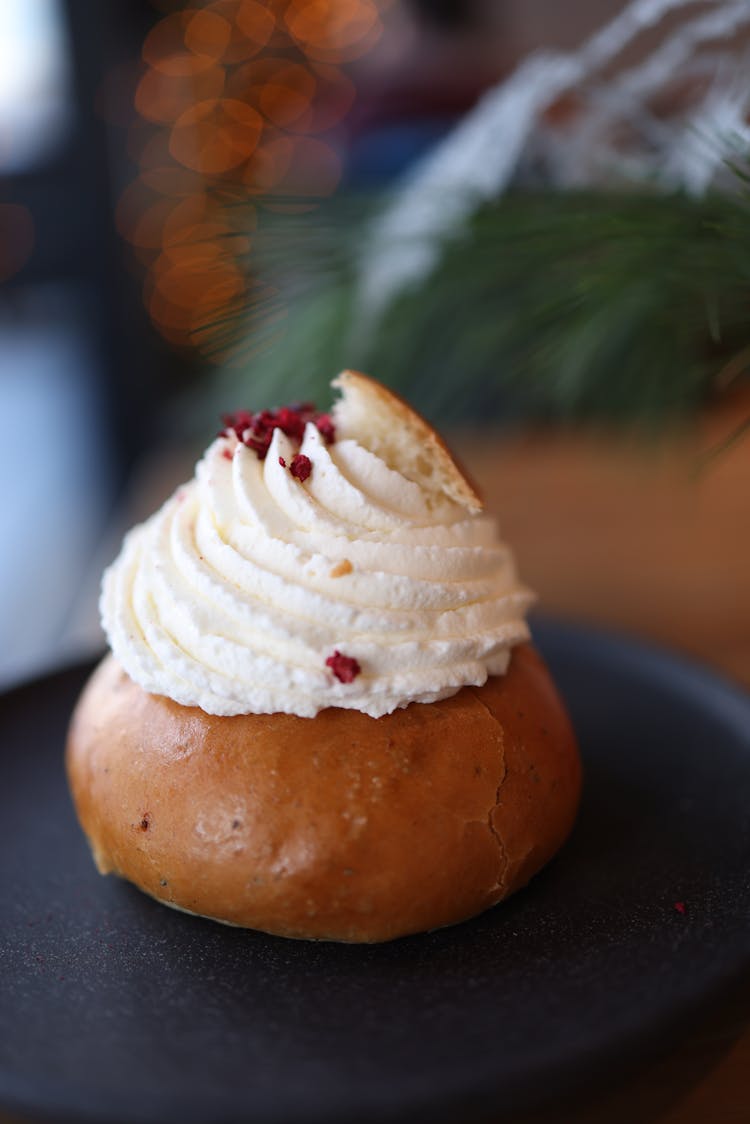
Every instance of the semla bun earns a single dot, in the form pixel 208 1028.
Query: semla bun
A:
pixel 339 827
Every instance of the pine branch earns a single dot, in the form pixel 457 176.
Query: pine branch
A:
pixel 632 308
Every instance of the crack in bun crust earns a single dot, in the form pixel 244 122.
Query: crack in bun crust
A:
pixel 342 827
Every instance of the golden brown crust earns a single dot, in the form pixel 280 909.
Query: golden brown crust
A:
pixel 340 827
pixel 460 487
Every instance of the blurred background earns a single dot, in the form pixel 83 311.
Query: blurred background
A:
pixel 530 218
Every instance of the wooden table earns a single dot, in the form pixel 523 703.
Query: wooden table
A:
pixel 643 536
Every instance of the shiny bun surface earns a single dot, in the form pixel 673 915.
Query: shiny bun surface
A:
pixel 339 827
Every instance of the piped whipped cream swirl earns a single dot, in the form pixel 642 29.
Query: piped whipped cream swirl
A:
pixel 235 593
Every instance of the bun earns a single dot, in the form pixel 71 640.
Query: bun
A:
pixel 340 827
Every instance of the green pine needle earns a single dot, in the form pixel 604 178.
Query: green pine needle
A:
pixel 626 308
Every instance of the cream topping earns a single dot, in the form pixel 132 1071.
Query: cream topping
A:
pixel 233 595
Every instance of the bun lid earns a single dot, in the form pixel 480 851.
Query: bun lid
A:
pixel 384 423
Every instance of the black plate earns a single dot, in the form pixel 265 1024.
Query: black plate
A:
pixel 114 1008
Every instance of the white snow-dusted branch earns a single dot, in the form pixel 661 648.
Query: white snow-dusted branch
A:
pixel 481 156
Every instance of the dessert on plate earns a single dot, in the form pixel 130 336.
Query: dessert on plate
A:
pixel 322 716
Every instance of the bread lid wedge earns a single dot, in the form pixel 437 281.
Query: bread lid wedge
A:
pixel 384 423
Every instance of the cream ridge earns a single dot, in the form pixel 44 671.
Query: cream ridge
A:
pixel 237 593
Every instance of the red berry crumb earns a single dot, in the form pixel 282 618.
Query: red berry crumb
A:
pixel 236 423
pixel 256 430
pixel 282 462
pixel 345 668
pixel 301 467
pixel 680 907
pixel 291 421
pixel 227 454
pixel 326 428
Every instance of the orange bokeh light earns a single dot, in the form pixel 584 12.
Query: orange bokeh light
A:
pixel 285 97
pixel 215 135
pixel 201 218
pixel 302 99
pixel 193 219
pixel 177 273
pixel 192 287
pixel 202 250
pixel 208 34
pixel 252 25
pixel 282 90
pixel 333 30
pixel 256 22
pixel 162 98
pixel 165 50
pixel 270 162
pixel 239 92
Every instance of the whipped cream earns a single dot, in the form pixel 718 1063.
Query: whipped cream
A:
pixel 236 592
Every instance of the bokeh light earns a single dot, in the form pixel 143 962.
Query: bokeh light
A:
pixel 208 33
pixel 216 135
pixel 165 48
pixel 285 93
pixel 162 98
pixel 269 164
pixel 251 27
pixel 238 103
pixel 333 30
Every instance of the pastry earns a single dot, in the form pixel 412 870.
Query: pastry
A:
pixel 322 716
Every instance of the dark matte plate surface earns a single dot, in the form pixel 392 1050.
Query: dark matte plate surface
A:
pixel 115 1008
